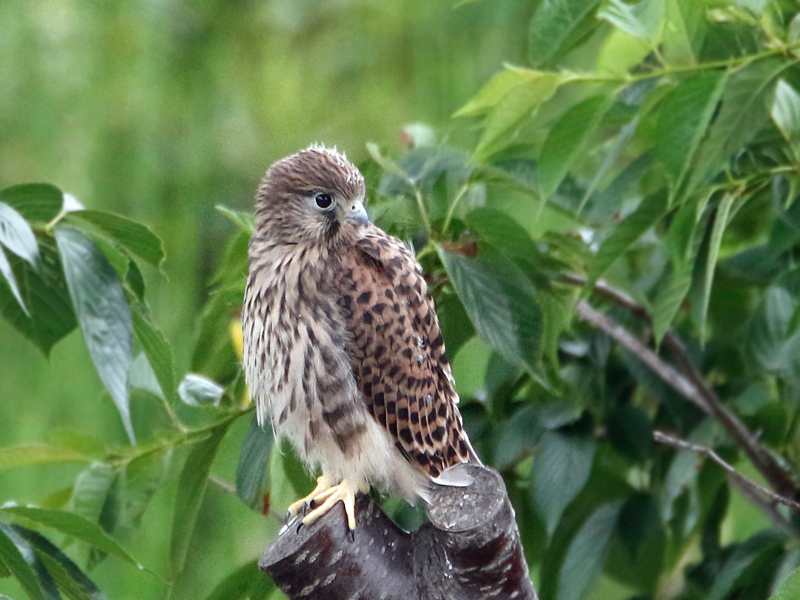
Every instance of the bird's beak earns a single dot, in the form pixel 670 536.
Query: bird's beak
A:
pixel 356 213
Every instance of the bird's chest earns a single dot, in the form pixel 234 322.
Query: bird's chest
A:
pixel 289 312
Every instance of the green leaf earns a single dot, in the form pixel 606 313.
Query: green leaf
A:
pixel 565 142
pixel 500 301
pixel 786 111
pixel 8 275
pixel 495 90
pixel 17 235
pixel 684 31
pixel 17 560
pixel 520 103
pixel 744 111
pixel 720 223
pixel 552 24
pixel 252 476
pixel 740 559
pixel 133 236
pixel 587 553
pixel 503 232
pixel 191 489
pixel 138 481
pixel 552 491
pixel 50 316
pixel 39 454
pixel 157 349
pixel 650 211
pixel 243 220
pixel 789 589
pixel 36 202
pixel 630 431
pixel 242 583
pixel 199 391
pixel 683 120
pixel 103 313
pixel 521 433
pixel 92 486
pixel 642 20
pixel 75 526
pixel 66 574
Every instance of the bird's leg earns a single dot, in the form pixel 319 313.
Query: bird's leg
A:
pixel 346 492
pixel 324 485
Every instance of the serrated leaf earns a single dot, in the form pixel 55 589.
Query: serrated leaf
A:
pixel 720 223
pixel 103 314
pixel 75 526
pixel 565 142
pixel 191 489
pixel 552 24
pixel 744 111
pixel 642 20
pixel 8 274
pixel 243 220
pixel 252 476
pixel 36 202
pixel 500 301
pixel 627 232
pixel 503 232
pixel 39 454
pixel 17 561
pixel 587 553
pixel 199 391
pixel 684 117
pixel 17 235
pixel 66 574
pixel 50 315
pixel 519 103
pixel 157 349
pixel 135 237
pixel 552 492
pixel 786 111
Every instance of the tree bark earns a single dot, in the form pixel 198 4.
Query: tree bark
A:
pixel 470 550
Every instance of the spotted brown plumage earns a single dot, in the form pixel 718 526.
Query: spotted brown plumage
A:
pixel 342 348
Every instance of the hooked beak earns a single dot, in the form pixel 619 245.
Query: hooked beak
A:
pixel 356 213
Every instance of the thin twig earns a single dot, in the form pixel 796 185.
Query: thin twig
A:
pixel 691 384
pixel 665 438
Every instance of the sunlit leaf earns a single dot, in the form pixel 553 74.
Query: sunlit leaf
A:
pixel 74 525
pixel 552 24
pixel 587 553
pixel 91 489
pixel 495 90
pixel 642 20
pixel 552 492
pixel 8 274
pixel 39 454
pixel 103 313
pixel 157 349
pixel 191 490
pixel 720 223
pixel 252 476
pixel 243 220
pixel 17 236
pixel 133 236
pixel 683 32
pixel 18 561
pixel 565 141
pixel 786 111
pixel 789 589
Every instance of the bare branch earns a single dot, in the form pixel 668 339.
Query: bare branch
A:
pixel 690 382
pixel 746 483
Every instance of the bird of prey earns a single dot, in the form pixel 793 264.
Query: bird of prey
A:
pixel 342 348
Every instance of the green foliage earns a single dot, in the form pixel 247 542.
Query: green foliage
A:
pixel 644 162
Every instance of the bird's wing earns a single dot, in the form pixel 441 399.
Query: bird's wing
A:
pixel 398 354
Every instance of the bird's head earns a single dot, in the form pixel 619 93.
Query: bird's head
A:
pixel 315 196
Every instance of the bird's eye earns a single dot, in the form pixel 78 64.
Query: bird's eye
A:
pixel 323 201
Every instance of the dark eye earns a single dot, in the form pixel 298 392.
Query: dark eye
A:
pixel 323 201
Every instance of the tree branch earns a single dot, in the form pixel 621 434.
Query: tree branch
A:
pixel 690 382
pixel 469 551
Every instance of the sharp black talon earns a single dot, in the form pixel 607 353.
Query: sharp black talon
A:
pixel 351 535
pixel 288 517
pixel 299 527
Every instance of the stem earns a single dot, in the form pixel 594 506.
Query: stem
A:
pixel 421 206
pixel 461 193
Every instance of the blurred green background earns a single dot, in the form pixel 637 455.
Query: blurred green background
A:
pixel 161 109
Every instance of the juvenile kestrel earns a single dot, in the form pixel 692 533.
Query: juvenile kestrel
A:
pixel 342 348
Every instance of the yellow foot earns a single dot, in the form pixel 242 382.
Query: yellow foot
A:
pixel 326 495
pixel 302 505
